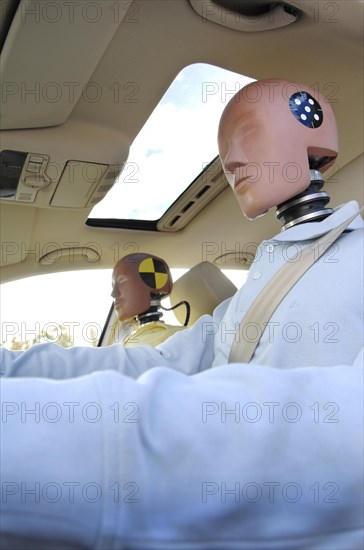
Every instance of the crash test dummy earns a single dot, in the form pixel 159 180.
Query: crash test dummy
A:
pixel 139 282
pixel 178 447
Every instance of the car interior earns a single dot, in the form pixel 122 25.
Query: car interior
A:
pixel 80 82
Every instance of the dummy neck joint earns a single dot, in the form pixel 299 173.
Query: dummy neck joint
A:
pixel 306 207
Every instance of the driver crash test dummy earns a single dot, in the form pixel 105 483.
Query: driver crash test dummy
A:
pixel 188 445
pixel 139 282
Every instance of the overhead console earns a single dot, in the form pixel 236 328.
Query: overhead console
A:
pixel 22 175
pixel 69 166
pixel 80 184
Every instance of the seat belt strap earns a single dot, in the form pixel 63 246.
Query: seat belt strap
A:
pixel 278 287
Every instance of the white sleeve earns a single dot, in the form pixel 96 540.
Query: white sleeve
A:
pixel 235 457
pixel 188 351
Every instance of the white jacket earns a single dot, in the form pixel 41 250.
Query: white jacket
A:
pixel 101 449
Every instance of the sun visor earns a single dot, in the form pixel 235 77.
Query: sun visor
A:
pixel 41 84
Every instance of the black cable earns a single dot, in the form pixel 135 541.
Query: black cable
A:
pixel 188 310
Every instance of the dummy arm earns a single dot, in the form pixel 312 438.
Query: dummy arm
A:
pixel 234 457
pixel 187 351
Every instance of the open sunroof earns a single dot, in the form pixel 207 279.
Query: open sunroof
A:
pixel 175 145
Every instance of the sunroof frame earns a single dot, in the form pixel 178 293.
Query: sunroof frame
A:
pixel 186 97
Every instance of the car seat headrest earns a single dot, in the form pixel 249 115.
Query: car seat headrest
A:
pixel 204 286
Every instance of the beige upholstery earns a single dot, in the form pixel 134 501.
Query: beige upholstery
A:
pixel 204 287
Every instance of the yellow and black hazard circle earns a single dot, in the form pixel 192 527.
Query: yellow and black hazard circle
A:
pixel 154 273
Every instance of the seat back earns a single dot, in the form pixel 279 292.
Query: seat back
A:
pixel 204 286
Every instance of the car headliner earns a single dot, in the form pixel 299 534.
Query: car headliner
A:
pixel 145 44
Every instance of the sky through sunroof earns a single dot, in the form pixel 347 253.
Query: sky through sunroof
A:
pixel 174 146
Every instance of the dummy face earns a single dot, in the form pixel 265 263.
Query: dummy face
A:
pixel 136 279
pixel 264 147
pixel 131 295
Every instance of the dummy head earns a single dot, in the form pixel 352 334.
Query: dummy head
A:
pixel 136 279
pixel 270 134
